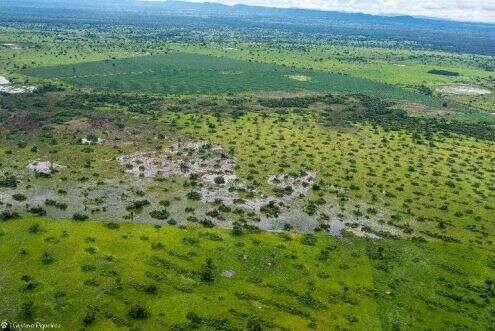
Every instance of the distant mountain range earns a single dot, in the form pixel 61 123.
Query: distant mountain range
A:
pixel 317 24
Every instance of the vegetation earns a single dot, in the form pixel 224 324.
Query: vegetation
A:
pixel 183 171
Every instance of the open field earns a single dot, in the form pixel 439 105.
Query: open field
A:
pixel 181 73
pixel 97 276
pixel 178 166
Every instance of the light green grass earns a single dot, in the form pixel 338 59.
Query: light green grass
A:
pixel 181 73
pixel 278 280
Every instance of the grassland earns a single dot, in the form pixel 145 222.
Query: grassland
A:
pixel 243 185
pixel 181 73
pixel 94 275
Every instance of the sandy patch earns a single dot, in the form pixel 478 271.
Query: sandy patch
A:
pixel 4 81
pixel 7 87
pixel 86 141
pixel 209 164
pixel 182 159
pixel 300 78
pixel 12 45
pixel 469 90
pixel 44 167
pixel 420 109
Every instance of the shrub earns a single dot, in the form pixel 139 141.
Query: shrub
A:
pixel 47 258
pixel 19 197
pixel 193 318
pixel 195 196
pixel 271 209
pixel 308 239
pixel 79 217
pixel 219 180
pixel 160 214
pixel 35 228
pixel 137 205
pixel 150 289
pixel 206 273
pixel 8 181
pixel 112 226
pixel 207 223
pixel 38 211
pixel 138 312
pixel 237 229
pixel 27 310
pixel 7 215
pixel 89 318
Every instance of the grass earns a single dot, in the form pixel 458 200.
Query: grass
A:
pixel 396 172
pixel 402 67
pixel 181 73
pixel 95 274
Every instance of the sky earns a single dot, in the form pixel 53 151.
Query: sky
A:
pixel 463 10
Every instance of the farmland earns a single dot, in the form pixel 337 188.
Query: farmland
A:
pixel 199 74
pixel 192 166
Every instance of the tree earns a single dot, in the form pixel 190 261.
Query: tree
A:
pixel 206 273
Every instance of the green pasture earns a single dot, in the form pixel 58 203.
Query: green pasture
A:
pixel 181 73
pixel 96 275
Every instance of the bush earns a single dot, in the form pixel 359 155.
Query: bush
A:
pixel 19 197
pixel 138 205
pixel 206 273
pixel 219 180
pixel 79 217
pixel 308 239
pixel 38 211
pixel 89 318
pixel 27 310
pixel 271 209
pixel 35 228
pixel 207 223
pixel 47 258
pixel 7 215
pixel 112 226
pixel 237 229
pixel 150 289
pixel 8 181
pixel 138 312
pixel 160 214
pixel 195 196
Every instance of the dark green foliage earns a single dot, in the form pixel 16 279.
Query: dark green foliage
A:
pixel 8 181
pixel 89 318
pixel 27 310
pixel 7 215
pixel 137 205
pixel 47 258
pixel 296 102
pixel 442 72
pixel 35 228
pixel 309 239
pixel 79 217
pixel 271 209
pixel 206 273
pixel 138 312
pixel 19 197
pixel 160 214
pixel 38 211
pixel 193 195
pixel 112 225
pixel 380 112
pixel 237 229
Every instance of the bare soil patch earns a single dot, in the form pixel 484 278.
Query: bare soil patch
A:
pixel 44 167
pixel 469 90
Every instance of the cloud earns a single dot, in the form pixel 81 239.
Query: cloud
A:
pixel 464 10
